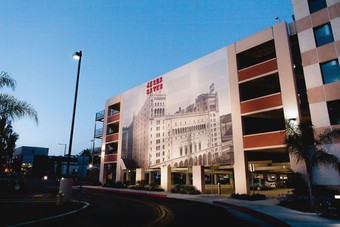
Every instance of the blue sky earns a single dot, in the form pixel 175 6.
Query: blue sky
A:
pixel 124 44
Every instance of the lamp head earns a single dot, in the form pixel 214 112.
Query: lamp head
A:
pixel 77 55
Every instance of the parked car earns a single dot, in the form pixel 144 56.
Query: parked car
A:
pixel 262 184
pixel 270 184
pixel 11 182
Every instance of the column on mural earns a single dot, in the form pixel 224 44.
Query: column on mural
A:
pixel 166 178
pixel 198 178
pixel 140 174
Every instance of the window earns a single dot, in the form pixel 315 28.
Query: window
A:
pixel 330 71
pixel 323 34
pixel 316 5
pixel 263 122
pixel 334 112
pixel 114 109
pixel 256 55
pixel 259 87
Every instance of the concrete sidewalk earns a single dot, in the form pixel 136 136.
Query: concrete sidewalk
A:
pixel 262 212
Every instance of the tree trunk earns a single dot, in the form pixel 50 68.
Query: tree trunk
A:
pixel 310 190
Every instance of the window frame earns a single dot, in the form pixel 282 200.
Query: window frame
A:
pixel 333 108
pixel 320 39
pixel 330 75
pixel 316 5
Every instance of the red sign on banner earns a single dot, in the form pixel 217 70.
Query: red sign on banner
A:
pixel 154 85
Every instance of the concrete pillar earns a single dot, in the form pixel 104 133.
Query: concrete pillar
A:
pixel 102 170
pixel 240 167
pixel 151 177
pixel 218 188
pixel 166 178
pixel 198 178
pixel 140 174
pixel 215 178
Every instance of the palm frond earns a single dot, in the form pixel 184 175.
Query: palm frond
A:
pixel 329 136
pixel 6 80
pixel 325 158
pixel 12 108
pixel 301 142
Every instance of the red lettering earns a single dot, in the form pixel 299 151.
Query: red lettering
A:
pixel 154 85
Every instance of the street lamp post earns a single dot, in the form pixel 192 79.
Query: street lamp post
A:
pixel 66 183
pixel 78 56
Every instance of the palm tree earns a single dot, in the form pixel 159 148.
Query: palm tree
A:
pixel 11 109
pixel 302 143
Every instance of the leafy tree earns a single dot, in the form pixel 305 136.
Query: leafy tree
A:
pixel 86 152
pixel 11 109
pixel 307 147
pixel 8 139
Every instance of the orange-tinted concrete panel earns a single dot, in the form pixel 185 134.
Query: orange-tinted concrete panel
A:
pixel 257 70
pixel 334 11
pixel 264 140
pixel 110 158
pixel 111 138
pixel 320 17
pixel 332 91
pixel 309 57
pixel 261 103
pixel 316 94
pixel 327 52
pixel 303 24
pixel 113 118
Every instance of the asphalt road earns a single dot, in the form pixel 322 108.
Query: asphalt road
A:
pixel 115 209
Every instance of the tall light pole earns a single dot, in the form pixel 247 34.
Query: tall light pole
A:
pixel 64 144
pixel 78 56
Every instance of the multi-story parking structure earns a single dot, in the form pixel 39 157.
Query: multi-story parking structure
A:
pixel 224 114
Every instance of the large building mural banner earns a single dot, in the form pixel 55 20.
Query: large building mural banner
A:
pixel 181 118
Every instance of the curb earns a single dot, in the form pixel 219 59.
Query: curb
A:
pixel 254 213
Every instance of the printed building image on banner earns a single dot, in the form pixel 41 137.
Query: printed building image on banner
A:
pixel 181 118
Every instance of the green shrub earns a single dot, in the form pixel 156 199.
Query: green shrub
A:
pixel 148 187
pixel 176 188
pixel 154 187
pixel 185 189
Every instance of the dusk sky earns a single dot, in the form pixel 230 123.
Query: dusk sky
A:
pixel 124 44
